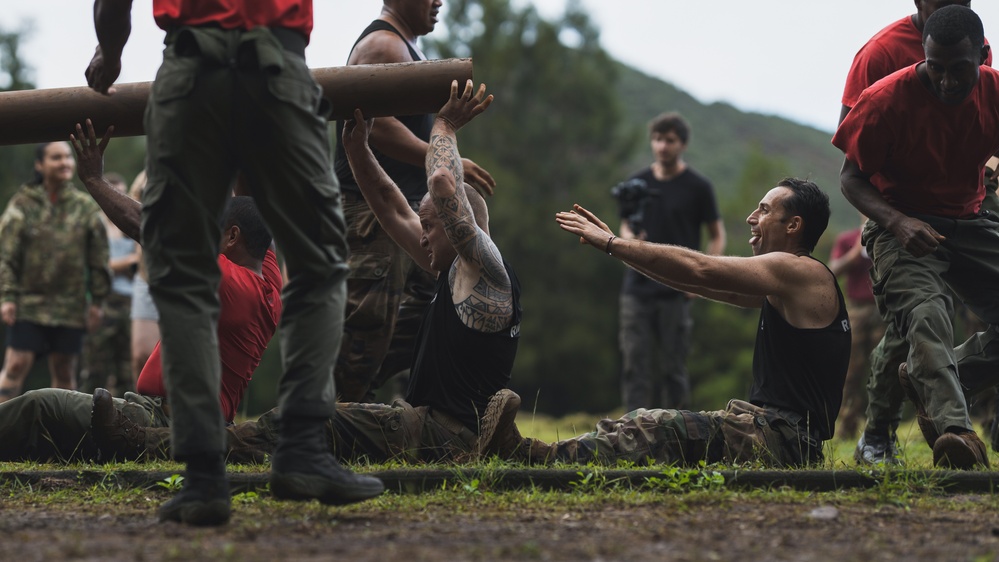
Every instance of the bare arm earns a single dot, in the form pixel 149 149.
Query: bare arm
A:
pixel 480 285
pixel 917 237
pixel 113 24
pixel 388 203
pixel 122 210
pixel 799 286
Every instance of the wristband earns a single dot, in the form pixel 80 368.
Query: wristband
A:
pixel 608 247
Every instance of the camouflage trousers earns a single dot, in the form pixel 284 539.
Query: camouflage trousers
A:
pixel 742 432
pixel 386 297
pixel 107 351
pixel 358 431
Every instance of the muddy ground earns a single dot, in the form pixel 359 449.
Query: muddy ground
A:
pixel 524 525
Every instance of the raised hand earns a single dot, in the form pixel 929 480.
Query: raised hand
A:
pixel 461 109
pixel 89 152
pixel 590 229
pixel 355 132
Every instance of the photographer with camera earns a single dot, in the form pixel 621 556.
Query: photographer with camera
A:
pixel 668 203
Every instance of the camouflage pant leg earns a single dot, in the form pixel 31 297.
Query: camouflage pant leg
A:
pixel 378 270
pixel 379 432
pixel 740 433
pixel 107 351
pixel 646 436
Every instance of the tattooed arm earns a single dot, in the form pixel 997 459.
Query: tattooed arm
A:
pixel 480 285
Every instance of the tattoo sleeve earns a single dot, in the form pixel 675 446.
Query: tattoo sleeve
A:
pixel 489 307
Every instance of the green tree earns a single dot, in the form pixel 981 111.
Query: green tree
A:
pixel 554 136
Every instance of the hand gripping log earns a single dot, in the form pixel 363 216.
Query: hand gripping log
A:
pixel 380 90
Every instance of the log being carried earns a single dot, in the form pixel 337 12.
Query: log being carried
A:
pixel 33 116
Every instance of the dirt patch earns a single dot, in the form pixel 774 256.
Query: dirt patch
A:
pixel 53 525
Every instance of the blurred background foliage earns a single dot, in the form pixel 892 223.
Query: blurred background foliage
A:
pixel 568 123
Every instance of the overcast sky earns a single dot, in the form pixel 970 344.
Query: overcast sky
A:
pixel 784 57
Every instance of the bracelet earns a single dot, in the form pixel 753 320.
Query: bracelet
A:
pixel 608 248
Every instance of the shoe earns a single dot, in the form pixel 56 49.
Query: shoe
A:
pixel 498 433
pixel 303 468
pixel 117 437
pixel 926 426
pixel 204 500
pixel 960 450
pixel 873 449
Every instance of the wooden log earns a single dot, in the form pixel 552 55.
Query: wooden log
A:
pixel 410 88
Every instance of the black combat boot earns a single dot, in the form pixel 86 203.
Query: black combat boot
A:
pixel 303 468
pixel 204 500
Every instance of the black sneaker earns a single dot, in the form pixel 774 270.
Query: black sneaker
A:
pixel 874 450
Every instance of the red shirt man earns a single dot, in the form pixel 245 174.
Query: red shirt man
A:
pixel 889 133
pixel 251 308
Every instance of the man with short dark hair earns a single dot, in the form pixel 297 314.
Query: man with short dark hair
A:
pixel 655 319
pixel 800 360
pixel 915 146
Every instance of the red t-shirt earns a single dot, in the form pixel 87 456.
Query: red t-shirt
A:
pixel 250 310
pixel 858 278
pixel 235 14
pixel 922 155
pixel 897 46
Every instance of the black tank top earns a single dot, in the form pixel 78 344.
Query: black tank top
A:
pixel 457 369
pixel 412 180
pixel 802 370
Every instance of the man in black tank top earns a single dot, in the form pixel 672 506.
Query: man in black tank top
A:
pixel 387 293
pixel 802 344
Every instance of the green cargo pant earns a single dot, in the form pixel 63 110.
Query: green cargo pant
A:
pixel 225 101
pixel 358 431
pixel 913 294
pixel 53 424
pixel 741 432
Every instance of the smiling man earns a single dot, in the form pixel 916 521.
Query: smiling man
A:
pixel 916 144
pixel 800 360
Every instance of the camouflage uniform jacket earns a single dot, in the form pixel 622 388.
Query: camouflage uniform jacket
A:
pixel 53 256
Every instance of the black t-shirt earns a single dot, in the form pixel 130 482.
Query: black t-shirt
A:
pixel 412 180
pixel 802 370
pixel 457 369
pixel 674 215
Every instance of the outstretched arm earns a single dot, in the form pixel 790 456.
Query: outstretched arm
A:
pixel 113 23
pixel 740 281
pixel 386 201
pixel 479 282
pixel 121 209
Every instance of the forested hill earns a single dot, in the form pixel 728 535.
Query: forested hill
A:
pixel 733 148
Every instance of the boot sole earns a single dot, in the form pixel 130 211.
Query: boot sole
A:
pixel 199 514
pixel 304 487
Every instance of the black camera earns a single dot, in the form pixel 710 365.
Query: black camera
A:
pixel 632 197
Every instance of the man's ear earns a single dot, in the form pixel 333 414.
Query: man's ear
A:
pixel 795 225
pixel 230 236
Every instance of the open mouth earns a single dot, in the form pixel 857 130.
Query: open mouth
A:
pixel 754 237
